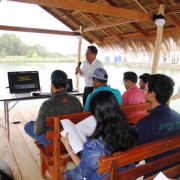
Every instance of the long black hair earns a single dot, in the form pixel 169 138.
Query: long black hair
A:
pixel 112 125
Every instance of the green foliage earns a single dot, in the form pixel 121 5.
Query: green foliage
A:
pixel 11 45
pixel 32 53
pixel 2 54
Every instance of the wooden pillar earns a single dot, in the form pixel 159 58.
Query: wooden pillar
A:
pixel 79 56
pixel 158 43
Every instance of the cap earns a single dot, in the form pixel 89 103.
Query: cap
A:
pixel 59 77
pixel 100 73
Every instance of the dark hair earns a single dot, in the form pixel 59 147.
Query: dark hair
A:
pixel 144 77
pixel 93 49
pixel 112 125
pixel 129 75
pixel 58 86
pixel 162 86
pixel 102 81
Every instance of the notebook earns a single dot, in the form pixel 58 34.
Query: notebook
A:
pixel 70 86
pixel 23 82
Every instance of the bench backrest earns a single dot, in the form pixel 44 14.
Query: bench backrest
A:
pixel 54 121
pixel 112 163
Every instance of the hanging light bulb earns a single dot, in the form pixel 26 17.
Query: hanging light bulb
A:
pixel 159 19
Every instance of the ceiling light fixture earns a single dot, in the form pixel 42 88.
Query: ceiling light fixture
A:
pixel 159 19
pixel 78 35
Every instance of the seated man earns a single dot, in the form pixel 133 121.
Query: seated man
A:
pixel 132 95
pixel 143 80
pixel 59 103
pixel 100 78
pixel 162 122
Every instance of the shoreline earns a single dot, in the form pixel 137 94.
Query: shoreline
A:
pixel 20 60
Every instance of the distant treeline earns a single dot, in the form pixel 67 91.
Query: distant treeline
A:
pixel 11 45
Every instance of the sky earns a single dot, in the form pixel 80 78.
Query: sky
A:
pixel 27 15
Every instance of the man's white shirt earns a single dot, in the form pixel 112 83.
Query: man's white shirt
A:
pixel 88 69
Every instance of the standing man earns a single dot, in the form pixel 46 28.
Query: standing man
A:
pixel 143 80
pixel 100 78
pixel 132 95
pixel 162 121
pixel 89 65
pixel 59 103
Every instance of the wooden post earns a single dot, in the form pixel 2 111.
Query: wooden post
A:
pixel 158 43
pixel 79 57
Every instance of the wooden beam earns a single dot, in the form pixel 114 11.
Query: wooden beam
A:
pixel 173 3
pixel 157 49
pixel 112 3
pixel 174 20
pixel 141 6
pixel 139 29
pixel 92 8
pixel 172 10
pixel 70 17
pixel 62 21
pixel 107 29
pixel 107 24
pixel 137 35
pixel 36 30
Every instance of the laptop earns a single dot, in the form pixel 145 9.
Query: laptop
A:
pixel 70 86
pixel 23 82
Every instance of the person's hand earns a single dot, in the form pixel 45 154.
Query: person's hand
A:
pixel 65 141
pixel 78 70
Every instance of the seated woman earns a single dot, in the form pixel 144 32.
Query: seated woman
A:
pixel 112 134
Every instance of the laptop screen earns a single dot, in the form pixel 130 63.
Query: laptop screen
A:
pixel 70 85
pixel 23 81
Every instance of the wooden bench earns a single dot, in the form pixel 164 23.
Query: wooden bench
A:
pixel 54 156
pixel 112 163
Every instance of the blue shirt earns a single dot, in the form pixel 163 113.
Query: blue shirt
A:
pixel 88 166
pixel 162 122
pixel 116 92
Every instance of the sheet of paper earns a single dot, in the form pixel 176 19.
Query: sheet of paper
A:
pixel 160 176
pixel 86 127
pixel 74 139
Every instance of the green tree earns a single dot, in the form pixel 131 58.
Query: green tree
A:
pixel 41 50
pixel 11 45
pixel 32 53
pixel 2 54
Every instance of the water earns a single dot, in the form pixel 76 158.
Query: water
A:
pixel 115 78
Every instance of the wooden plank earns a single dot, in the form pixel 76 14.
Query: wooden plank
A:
pixel 34 111
pixel 25 160
pixel 36 30
pixel 26 114
pixel 6 153
pixel 92 8
pixel 107 24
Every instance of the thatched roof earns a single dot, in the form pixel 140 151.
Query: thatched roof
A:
pixel 126 25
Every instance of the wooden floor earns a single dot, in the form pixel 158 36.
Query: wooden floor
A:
pixel 20 153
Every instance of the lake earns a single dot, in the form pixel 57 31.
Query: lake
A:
pixel 115 74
